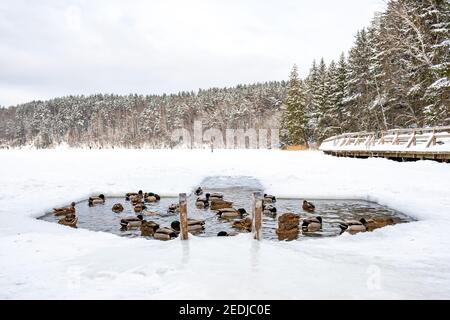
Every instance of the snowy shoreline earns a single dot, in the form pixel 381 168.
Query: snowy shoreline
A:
pixel 44 260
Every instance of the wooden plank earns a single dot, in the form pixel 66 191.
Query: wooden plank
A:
pixel 257 215
pixel 183 217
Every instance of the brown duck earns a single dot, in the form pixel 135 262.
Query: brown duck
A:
pixel 308 206
pixel 64 210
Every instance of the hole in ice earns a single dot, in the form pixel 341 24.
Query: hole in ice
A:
pixel 239 191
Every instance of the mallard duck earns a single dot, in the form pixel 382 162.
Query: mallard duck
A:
pixel 376 223
pixel 131 222
pixel 270 210
pixel 151 197
pixel 135 200
pixel 148 228
pixel 129 195
pixel 139 207
pixel 96 200
pixel 118 207
pixel 312 224
pixel 353 226
pixel 288 226
pixel 203 202
pixel 174 208
pixel 69 220
pixel 308 206
pixel 64 210
pixel 217 204
pixel 231 213
pixel 193 225
pixel 243 224
pixel 164 234
pixel 268 198
pixel 199 191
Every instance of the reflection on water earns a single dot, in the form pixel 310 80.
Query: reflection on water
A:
pixel 238 190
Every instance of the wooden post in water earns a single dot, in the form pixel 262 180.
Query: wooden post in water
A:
pixel 183 217
pixel 257 215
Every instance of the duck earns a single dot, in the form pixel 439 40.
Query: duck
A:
pixel 199 191
pixel 151 197
pixel 353 226
pixel 64 210
pixel 217 204
pixel 164 234
pixel 69 220
pixel 308 206
pixel 193 225
pixel 243 224
pixel 231 213
pixel 174 208
pixel 129 195
pixel 135 200
pixel 268 198
pixel 312 224
pixel 148 228
pixel 96 200
pixel 117 208
pixel 131 222
pixel 203 202
pixel 269 210
pixel 376 223
pixel 139 207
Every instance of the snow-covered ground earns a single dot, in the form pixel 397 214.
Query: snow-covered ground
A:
pixel 45 260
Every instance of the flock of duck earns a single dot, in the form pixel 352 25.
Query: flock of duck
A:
pixel 224 209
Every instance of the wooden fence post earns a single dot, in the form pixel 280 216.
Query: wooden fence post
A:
pixel 183 217
pixel 257 215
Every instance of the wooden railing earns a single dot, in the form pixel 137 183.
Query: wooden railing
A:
pixel 427 137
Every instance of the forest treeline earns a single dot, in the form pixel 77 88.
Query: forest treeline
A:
pixel 397 74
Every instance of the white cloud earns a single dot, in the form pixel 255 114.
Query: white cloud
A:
pixel 52 48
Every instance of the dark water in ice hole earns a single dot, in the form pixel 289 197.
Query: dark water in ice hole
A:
pixel 238 190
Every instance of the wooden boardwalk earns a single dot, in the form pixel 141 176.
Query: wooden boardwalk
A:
pixel 396 144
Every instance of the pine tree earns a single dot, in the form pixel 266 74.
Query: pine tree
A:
pixel 294 121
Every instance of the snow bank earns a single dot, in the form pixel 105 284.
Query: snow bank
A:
pixel 44 260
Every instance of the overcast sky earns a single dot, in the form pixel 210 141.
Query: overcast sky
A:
pixel 54 48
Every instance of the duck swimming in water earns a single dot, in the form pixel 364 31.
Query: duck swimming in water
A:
pixel 151 197
pixel 117 208
pixel 243 224
pixel 139 207
pixel 231 213
pixel 312 224
pixel 165 234
pixel 203 202
pixel 193 225
pixel 268 198
pixel 353 226
pixel 64 210
pixel 308 206
pixel 269 210
pixel 69 220
pixel 131 222
pixel 130 195
pixel 199 191
pixel 96 200
pixel 174 208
